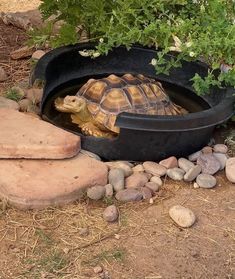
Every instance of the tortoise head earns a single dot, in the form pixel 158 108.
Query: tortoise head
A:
pixel 72 104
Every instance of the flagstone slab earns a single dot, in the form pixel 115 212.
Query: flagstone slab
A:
pixel 25 136
pixel 36 184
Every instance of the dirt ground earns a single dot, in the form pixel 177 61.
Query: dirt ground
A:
pixel 69 242
pixel 18 5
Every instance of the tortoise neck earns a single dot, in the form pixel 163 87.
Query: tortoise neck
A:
pixel 84 114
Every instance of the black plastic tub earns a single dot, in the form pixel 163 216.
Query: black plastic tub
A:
pixel 142 137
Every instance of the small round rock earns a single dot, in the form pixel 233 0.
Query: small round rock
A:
pixel 209 163
pixel 192 173
pixel 156 179
pixel 194 156
pixel 220 148
pixel 206 181
pixel 176 174
pixel 38 54
pixel 185 164
pixel 230 169
pixel 169 163
pixel 207 150
pixel 136 180
pixel 222 158
pixel 138 168
pixel 128 195
pixel 110 213
pixel 96 192
pixel 146 192
pixel 182 216
pixel 116 178
pixel 108 190
pixel 154 168
pixel 154 187
pixel 98 269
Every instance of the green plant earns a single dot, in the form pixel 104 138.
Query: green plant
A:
pixel 195 29
pixel 14 94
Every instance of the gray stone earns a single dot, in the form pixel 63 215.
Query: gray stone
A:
pixel 209 163
pixel 154 187
pixel 176 173
pixel 206 181
pixel 96 192
pixel 128 195
pixel 230 169
pixel 194 156
pixel 185 164
pixel 182 216
pixel 110 213
pixel 146 192
pixel 35 95
pixel 8 104
pixel 3 74
pixel 156 179
pixel 108 190
pixel 136 180
pixel 124 165
pixel 116 178
pixel 222 158
pixel 220 148
pixel 25 105
pixel 191 174
pixel 154 168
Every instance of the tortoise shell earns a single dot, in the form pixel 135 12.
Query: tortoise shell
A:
pixel 109 96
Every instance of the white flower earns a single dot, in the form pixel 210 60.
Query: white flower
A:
pixel 173 48
pixel 192 54
pixel 177 41
pixel 101 40
pixel 153 62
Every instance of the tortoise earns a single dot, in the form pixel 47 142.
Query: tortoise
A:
pixel 98 102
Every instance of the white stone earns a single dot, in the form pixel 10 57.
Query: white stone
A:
pixel 176 174
pixel 230 169
pixel 191 174
pixel 185 164
pixel 96 192
pixel 222 158
pixel 182 216
pixel 194 156
pixel 156 179
pixel 206 181
pixel 116 178
pixel 220 148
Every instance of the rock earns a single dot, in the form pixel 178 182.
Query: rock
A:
pixel 191 174
pixel 108 190
pixel 230 169
pixel 185 164
pixel 116 178
pixel 110 213
pixel 96 192
pixel 220 148
pixel 24 136
pixel 169 163
pixel 90 154
pixel 207 150
pixel 176 174
pixel 156 180
pixel 22 52
pixel 182 216
pixel 154 187
pixel 148 175
pixel 25 105
pixel 125 166
pixel 3 74
pixel 193 157
pixel 195 185
pixel 154 168
pixel 128 195
pixel 136 180
pixel 146 192
pixel 8 104
pixel 38 54
pixel 98 269
pixel 222 158
pixel 35 95
pixel 37 184
pixel 138 168
pixel 209 163
pixel 16 19
pixel 206 180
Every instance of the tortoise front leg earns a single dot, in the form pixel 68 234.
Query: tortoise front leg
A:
pixel 90 129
